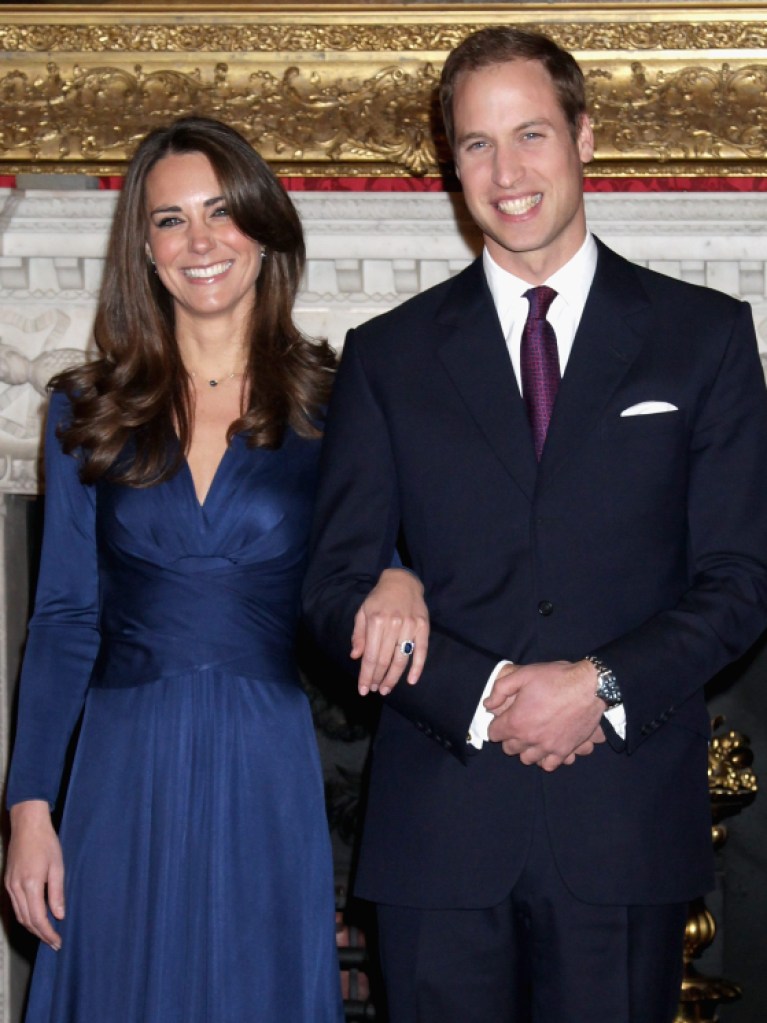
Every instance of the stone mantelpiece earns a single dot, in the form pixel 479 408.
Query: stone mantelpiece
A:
pixel 366 253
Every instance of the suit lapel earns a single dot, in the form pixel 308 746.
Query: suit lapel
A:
pixel 609 337
pixel 473 351
pixel 616 320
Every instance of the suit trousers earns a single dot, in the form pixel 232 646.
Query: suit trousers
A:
pixel 540 956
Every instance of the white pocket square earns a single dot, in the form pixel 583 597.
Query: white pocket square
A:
pixel 649 408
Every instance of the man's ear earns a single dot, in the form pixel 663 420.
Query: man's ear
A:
pixel 585 140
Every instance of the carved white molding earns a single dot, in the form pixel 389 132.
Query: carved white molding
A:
pixel 367 251
pixel 5 685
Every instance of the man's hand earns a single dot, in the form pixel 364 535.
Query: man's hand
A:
pixel 547 714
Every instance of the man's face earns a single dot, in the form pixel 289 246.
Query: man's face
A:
pixel 520 168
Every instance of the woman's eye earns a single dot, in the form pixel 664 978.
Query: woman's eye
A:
pixel 221 211
pixel 167 222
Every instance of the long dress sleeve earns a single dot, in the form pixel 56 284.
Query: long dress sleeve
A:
pixel 63 633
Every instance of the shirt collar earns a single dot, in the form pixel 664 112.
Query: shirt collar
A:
pixel 571 282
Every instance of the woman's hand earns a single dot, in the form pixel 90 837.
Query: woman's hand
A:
pixel 392 614
pixel 35 864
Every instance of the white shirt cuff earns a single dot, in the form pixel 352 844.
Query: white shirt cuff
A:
pixel 480 723
pixel 617 717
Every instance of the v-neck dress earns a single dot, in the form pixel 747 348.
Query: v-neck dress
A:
pixel 198 872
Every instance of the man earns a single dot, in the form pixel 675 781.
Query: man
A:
pixel 587 569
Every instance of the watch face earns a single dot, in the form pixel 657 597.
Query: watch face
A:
pixel 607 689
pixel 607 684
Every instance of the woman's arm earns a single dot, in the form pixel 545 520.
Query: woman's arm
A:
pixel 35 869
pixel 392 615
pixel 62 645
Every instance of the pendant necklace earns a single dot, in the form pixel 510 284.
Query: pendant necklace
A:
pixel 215 383
pixel 223 380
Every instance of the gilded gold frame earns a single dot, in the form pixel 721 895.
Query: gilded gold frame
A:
pixel 346 90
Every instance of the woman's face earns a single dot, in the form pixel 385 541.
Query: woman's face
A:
pixel 207 264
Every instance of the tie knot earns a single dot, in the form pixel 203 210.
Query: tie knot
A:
pixel 540 299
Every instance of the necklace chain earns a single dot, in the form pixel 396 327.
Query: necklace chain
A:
pixel 214 382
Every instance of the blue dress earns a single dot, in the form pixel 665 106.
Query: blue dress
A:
pixel 198 872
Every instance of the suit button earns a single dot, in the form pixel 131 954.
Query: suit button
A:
pixel 545 608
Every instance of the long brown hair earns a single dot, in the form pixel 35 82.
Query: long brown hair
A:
pixel 138 391
pixel 501 45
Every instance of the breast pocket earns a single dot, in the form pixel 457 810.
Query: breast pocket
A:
pixel 655 435
pixel 644 454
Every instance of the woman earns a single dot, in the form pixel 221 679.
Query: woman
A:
pixel 180 473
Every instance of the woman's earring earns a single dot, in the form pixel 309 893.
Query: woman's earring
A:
pixel 263 253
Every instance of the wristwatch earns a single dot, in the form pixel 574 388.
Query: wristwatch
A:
pixel 607 684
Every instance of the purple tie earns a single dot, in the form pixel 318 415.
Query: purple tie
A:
pixel 539 361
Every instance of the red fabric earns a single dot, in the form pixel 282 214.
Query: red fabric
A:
pixel 7 181
pixel 702 184
pixel 332 184
pixel 363 184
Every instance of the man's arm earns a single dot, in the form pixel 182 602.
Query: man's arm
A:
pixel 664 661
pixel 724 611
pixel 357 521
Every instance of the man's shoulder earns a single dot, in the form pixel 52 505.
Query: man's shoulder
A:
pixel 664 289
pixel 422 310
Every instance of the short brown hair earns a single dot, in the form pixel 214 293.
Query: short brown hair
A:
pixel 501 45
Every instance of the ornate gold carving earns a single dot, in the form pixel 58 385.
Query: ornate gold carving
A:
pixel 348 91
pixel 181 38
pixel 95 115
pixel 732 786
pixel 646 109
pixel 729 768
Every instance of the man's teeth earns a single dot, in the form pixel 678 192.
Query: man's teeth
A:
pixel 208 271
pixel 516 206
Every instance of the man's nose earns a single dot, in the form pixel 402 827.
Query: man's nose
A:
pixel 507 167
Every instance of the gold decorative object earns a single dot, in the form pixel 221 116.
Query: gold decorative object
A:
pixel 342 90
pixel 731 782
pixel 732 786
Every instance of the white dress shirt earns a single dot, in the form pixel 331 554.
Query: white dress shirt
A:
pixel 571 283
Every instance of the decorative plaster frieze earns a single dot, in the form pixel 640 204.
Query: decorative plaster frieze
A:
pixel 367 252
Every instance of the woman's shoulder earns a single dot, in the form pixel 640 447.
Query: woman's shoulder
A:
pixel 59 411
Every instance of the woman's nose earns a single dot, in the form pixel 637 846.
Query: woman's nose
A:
pixel 200 238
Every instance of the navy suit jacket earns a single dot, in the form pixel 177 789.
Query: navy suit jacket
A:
pixel 640 538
